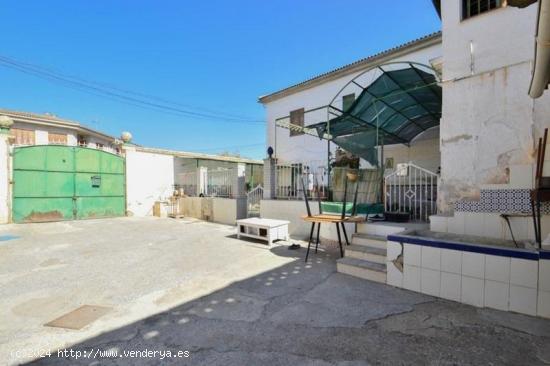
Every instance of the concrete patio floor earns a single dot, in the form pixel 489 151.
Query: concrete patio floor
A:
pixel 185 285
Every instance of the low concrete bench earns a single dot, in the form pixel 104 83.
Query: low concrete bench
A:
pixel 263 229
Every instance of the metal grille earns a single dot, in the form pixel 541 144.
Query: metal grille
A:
pixel 411 189
pixel 188 182
pixel 220 183
pixel 253 199
pixel 289 184
pixel 471 8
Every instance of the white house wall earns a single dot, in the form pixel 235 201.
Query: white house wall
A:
pixel 306 148
pixel 489 122
pixel 149 178
pixel 424 152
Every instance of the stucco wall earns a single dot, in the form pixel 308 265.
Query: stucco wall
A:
pixel 221 210
pixel 423 152
pixel 488 122
pixel 306 148
pixel 228 210
pixel 149 178
pixel 291 211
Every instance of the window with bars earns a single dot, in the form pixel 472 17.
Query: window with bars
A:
pixel 22 136
pixel 57 138
pixel 82 141
pixel 472 8
pixel 297 119
pixel 99 146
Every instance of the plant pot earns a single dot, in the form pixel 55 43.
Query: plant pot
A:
pixel 352 176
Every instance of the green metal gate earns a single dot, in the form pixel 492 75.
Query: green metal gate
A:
pixel 53 183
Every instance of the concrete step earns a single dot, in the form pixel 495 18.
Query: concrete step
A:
pixel 367 253
pixel 374 241
pixel 378 228
pixel 363 269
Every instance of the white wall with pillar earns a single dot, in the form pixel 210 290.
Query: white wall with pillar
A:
pixel 149 178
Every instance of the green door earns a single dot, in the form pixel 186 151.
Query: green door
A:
pixel 53 183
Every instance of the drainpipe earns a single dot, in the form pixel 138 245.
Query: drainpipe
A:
pixel 541 71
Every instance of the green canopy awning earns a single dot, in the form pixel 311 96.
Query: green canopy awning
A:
pixel 398 106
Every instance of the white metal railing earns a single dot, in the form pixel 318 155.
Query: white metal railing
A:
pixel 220 183
pixel 288 183
pixel 411 189
pixel 188 181
pixel 253 199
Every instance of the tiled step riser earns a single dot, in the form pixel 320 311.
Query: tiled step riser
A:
pixel 368 242
pixel 366 256
pixel 363 273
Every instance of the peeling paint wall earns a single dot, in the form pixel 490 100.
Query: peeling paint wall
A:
pixel 489 122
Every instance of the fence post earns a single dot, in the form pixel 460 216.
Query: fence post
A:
pixel 238 182
pixel 202 180
pixel 270 178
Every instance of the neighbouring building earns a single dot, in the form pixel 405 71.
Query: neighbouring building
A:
pixel 47 129
pixel 57 169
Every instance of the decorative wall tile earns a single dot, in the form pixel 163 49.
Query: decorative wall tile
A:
pixel 523 300
pixel 430 281
pixel 497 268
pixel 450 286
pixel 412 254
pixel 473 291
pixel 451 261
pixel 524 272
pixel 501 201
pixel 473 265
pixel 411 278
pixel 431 258
pixel 496 295
pixel 543 307
pixel 394 276
pixel 544 275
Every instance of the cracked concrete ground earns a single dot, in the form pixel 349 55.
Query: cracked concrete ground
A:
pixel 187 285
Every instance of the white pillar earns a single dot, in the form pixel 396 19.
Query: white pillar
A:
pixel 202 180
pixel 270 178
pixel 238 189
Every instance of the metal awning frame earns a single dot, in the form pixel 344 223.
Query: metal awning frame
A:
pixel 397 65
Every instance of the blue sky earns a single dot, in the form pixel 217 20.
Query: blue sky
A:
pixel 205 55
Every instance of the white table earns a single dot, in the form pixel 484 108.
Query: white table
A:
pixel 263 229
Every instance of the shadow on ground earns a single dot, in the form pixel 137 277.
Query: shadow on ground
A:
pixel 307 314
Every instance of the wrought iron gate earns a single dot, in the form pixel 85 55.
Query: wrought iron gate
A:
pixel 411 189
pixel 253 199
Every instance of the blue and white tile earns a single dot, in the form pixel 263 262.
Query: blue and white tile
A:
pixel 523 300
